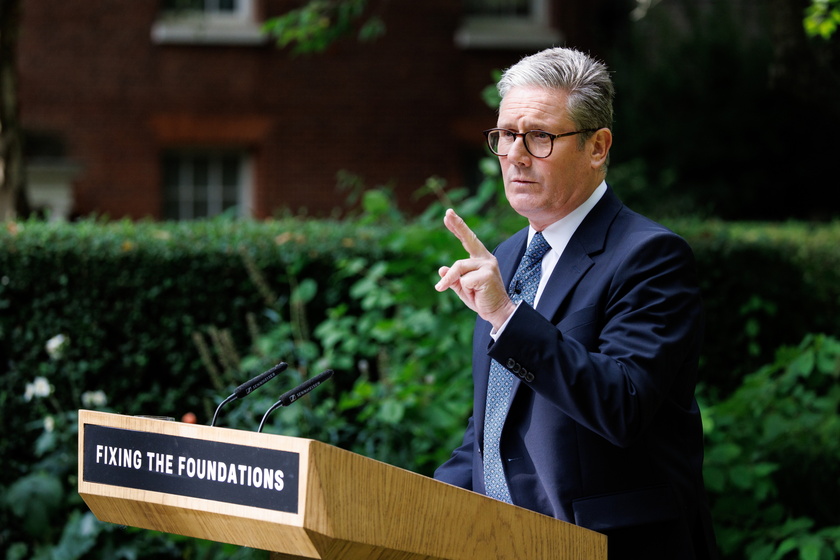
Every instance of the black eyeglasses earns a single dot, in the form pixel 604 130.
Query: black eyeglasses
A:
pixel 539 143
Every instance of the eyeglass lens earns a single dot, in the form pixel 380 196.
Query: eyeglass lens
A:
pixel 537 142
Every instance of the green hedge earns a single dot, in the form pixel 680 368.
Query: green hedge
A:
pixel 167 319
pixel 765 285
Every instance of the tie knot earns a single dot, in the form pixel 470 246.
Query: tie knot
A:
pixel 537 248
pixel 523 286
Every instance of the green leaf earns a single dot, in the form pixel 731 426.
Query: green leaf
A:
pixel 392 411
pixel 79 536
pixel 305 291
pixel 803 365
pixel 811 549
pixel 34 498
pixel 786 546
pixel 741 476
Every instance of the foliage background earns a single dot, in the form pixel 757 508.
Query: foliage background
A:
pixel 169 318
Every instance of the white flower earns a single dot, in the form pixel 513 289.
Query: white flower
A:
pixel 91 399
pixel 38 388
pixel 49 423
pixel 55 346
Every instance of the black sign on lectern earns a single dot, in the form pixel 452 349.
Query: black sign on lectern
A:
pixel 223 472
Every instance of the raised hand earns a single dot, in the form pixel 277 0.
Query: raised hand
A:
pixel 476 279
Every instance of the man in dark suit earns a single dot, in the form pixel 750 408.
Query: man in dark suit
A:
pixel 590 345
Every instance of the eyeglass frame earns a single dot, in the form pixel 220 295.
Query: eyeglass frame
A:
pixel 523 134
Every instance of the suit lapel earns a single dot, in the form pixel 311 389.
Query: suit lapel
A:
pixel 589 239
pixel 571 267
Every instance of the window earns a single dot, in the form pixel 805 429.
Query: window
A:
pixel 225 22
pixel 507 24
pixel 205 184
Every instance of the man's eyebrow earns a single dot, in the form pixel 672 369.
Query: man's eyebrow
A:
pixel 525 129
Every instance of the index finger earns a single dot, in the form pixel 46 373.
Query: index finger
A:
pixel 459 228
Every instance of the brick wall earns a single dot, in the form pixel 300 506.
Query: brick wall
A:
pixel 397 111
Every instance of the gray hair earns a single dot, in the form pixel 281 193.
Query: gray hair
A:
pixel 585 80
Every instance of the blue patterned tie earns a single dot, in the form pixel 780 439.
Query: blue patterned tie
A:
pixel 523 287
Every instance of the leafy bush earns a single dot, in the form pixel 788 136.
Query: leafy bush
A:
pixel 773 457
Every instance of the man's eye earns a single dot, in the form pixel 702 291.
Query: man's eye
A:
pixel 539 135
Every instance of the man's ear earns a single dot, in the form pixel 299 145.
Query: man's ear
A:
pixel 600 143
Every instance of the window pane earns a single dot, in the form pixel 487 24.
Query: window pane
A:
pixel 201 172
pixel 170 172
pixel 227 6
pixel 207 6
pixel 198 173
pixel 231 179
pixel 199 209
pixel 230 170
pixel 499 8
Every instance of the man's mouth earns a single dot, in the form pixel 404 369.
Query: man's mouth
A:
pixel 520 181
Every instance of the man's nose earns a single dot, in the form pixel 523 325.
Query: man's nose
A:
pixel 518 153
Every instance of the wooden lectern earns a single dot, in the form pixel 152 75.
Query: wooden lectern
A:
pixel 300 498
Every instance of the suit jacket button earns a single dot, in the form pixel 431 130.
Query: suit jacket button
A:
pixel 511 363
pixel 524 373
pixel 529 377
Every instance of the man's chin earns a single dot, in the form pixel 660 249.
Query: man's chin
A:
pixel 524 205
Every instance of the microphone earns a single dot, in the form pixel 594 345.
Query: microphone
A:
pixel 246 388
pixel 289 397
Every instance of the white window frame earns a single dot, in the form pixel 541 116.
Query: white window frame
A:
pixel 215 198
pixel 210 27
pixel 515 32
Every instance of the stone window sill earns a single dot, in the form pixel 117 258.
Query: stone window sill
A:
pixel 207 31
pixel 495 33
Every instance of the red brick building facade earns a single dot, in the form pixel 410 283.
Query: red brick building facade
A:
pixel 130 104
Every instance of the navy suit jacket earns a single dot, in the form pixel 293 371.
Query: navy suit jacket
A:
pixel 603 429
